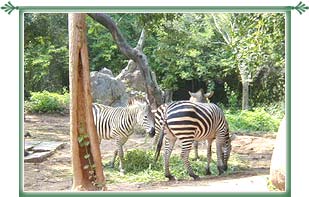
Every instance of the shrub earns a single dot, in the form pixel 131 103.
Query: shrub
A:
pixel 45 101
pixel 139 167
pixel 251 121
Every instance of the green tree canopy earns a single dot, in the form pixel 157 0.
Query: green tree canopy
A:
pixel 206 49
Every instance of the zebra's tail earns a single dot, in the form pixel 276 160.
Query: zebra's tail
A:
pixel 159 145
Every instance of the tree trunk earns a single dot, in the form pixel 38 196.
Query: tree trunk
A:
pixel 168 96
pixel 153 92
pixel 245 95
pixel 85 150
pixel 245 80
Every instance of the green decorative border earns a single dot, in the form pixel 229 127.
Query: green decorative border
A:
pixel 300 8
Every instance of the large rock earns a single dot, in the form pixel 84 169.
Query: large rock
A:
pixel 278 160
pixel 106 89
pixel 132 77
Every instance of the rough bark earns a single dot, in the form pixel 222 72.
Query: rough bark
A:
pixel 135 54
pixel 245 95
pixel 81 118
pixel 245 81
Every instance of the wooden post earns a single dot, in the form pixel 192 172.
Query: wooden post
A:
pixel 85 150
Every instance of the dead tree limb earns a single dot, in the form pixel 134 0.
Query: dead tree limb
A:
pixel 153 92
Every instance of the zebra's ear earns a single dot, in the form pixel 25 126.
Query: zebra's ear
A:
pixel 233 136
pixel 209 94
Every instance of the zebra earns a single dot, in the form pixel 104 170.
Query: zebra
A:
pixel 158 119
pixel 199 96
pixel 117 123
pixel 189 121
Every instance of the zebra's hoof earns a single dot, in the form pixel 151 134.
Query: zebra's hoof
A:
pixel 122 172
pixel 221 171
pixel 170 177
pixel 196 158
pixel 208 172
pixel 111 164
pixel 195 177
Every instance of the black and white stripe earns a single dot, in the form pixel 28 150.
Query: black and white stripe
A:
pixel 192 121
pixel 118 122
pixel 158 115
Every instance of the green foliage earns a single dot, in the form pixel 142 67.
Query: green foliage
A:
pixel 233 101
pixel 254 43
pixel 139 167
pixel 180 47
pixel 137 160
pixel 47 102
pixel 46 52
pixel 256 120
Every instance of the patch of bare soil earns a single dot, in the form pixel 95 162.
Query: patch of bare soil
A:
pixel 54 174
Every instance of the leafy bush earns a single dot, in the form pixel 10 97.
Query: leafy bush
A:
pixel 251 121
pixel 137 160
pixel 45 101
pixel 139 167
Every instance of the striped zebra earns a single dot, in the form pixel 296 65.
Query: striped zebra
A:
pixel 158 116
pixel 192 121
pixel 199 96
pixel 117 123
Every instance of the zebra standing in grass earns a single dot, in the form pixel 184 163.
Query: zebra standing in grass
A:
pixel 189 122
pixel 199 96
pixel 118 122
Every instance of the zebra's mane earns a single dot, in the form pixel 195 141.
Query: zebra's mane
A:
pixel 136 103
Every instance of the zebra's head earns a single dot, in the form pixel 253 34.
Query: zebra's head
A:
pixel 145 117
pixel 227 149
pixel 199 96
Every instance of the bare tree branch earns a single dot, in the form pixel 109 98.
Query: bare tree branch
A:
pixel 225 35
pixel 108 22
pixel 141 41
pixel 153 92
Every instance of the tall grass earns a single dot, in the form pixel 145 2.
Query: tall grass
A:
pixel 139 167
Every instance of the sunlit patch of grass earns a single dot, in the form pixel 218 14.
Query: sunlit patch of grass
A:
pixel 139 167
pixel 236 164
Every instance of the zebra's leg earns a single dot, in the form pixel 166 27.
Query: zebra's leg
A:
pixel 219 158
pixel 185 151
pixel 195 146
pixel 209 143
pixel 169 145
pixel 112 164
pixel 120 144
pixel 155 141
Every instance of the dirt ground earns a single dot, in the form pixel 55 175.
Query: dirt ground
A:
pixel 55 174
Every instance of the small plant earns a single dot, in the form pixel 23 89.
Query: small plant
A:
pixel 83 140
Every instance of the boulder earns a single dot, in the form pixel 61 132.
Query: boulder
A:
pixel 132 77
pixel 278 160
pixel 106 89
